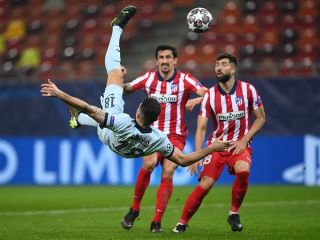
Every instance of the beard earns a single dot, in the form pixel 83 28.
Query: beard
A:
pixel 224 78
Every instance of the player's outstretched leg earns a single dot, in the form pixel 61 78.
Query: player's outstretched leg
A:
pixel 113 58
pixel 128 220
pixel 234 222
pixel 124 16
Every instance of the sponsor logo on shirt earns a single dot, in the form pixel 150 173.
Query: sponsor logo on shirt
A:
pixel 230 116
pixel 164 98
pixel 143 141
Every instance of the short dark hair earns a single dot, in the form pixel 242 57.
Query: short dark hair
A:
pixel 166 47
pixel 150 109
pixel 233 59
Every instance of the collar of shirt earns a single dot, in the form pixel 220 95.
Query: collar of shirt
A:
pixel 141 129
pixel 170 79
pixel 232 90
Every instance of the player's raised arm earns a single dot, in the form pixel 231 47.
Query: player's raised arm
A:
pixel 185 160
pixel 49 89
pixel 127 89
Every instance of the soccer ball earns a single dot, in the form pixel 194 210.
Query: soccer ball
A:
pixel 199 20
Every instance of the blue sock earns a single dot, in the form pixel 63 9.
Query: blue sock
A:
pixel 113 59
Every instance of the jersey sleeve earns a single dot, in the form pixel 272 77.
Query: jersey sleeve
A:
pixel 205 106
pixel 116 122
pixel 193 83
pixel 140 82
pixel 254 98
pixel 167 148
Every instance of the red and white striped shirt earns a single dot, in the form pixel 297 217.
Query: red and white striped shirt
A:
pixel 230 112
pixel 172 95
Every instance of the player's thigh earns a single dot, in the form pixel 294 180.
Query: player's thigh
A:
pixel 240 162
pixel 213 165
pixel 150 161
pixel 168 168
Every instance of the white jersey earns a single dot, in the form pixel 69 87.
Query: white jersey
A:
pixel 126 138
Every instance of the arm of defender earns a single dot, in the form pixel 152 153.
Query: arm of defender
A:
pixel 127 89
pixel 260 118
pixel 51 90
pixel 187 159
pixel 199 139
pixel 191 103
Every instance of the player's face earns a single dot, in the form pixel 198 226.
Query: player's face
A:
pixel 224 69
pixel 165 61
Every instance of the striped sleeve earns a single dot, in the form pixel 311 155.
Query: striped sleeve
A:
pixel 205 106
pixel 256 101
pixel 193 83
pixel 140 82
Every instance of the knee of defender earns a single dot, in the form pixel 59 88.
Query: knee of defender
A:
pixel 207 182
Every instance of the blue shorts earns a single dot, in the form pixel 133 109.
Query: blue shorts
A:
pixel 111 102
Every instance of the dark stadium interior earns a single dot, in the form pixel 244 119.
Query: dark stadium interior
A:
pixel 68 37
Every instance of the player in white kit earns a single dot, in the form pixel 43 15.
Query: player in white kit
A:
pixel 124 135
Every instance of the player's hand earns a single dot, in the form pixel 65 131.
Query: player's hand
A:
pixel 238 146
pixel 123 70
pixel 49 89
pixel 193 169
pixel 191 103
pixel 219 146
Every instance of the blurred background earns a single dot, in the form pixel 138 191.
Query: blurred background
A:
pixel 277 43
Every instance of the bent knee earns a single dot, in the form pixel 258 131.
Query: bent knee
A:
pixel 241 166
pixel 207 182
pixel 150 162
pixel 116 77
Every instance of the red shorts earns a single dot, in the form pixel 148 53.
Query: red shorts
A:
pixel 178 141
pixel 214 163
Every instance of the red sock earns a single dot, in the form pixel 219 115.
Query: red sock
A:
pixel 192 204
pixel 239 190
pixel 163 196
pixel 142 183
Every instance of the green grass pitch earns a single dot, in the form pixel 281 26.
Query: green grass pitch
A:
pixel 94 212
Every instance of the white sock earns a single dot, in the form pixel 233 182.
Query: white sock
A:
pixel 112 59
pixel 230 212
pixel 85 119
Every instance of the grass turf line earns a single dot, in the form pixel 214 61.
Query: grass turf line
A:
pixel 91 212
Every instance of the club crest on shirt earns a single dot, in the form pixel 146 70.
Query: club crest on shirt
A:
pixel 174 87
pixel 239 100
